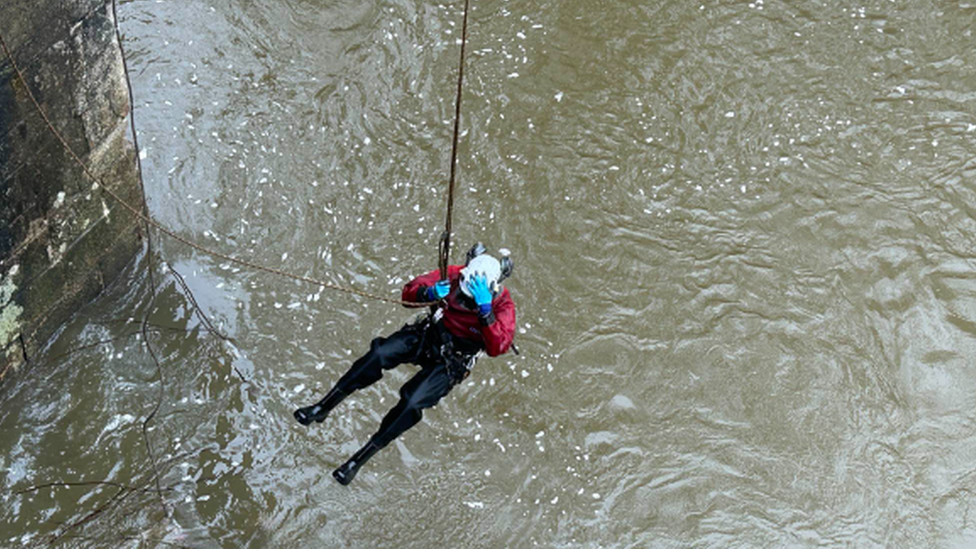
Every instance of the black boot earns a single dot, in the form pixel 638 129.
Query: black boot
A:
pixel 318 412
pixel 345 473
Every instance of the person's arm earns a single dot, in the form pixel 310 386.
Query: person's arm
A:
pixel 415 291
pixel 498 326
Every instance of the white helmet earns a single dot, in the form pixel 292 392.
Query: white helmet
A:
pixel 484 265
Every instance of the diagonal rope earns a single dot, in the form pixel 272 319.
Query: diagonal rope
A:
pixel 172 234
pixel 445 244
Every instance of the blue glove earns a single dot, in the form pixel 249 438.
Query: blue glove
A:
pixel 478 286
pixel 439 291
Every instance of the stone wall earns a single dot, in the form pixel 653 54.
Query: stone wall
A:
pixel 61 239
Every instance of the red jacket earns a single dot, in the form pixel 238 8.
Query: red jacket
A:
pixel 495 332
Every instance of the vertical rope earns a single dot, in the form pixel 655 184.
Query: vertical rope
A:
pixel 445 244
pixel 149 267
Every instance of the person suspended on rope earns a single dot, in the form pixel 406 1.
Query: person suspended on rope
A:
pixel 476 316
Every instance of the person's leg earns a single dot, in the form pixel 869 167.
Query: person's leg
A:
pixel 424 390
pixel 384 353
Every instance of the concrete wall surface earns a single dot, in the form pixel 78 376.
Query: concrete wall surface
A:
pixel 61 239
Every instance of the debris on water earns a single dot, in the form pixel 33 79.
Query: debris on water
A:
pixel 299 388
pixel 620 402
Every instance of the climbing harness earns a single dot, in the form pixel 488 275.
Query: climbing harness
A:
pixel 438 346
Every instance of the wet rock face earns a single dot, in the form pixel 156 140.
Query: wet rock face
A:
pixel 61 239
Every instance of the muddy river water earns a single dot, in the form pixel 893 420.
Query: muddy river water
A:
pixel 744 238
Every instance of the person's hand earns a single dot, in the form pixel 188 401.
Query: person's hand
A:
pixel 478 286
pixel 439 290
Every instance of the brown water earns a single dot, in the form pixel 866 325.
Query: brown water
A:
pixel 745 280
